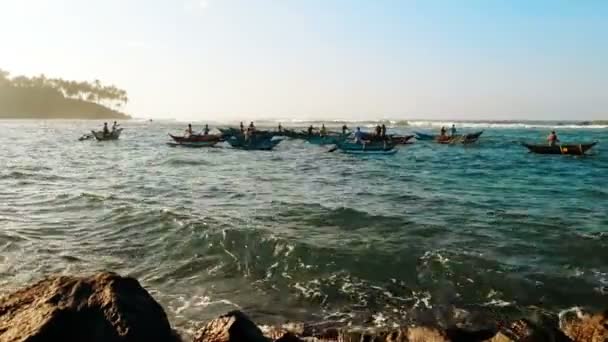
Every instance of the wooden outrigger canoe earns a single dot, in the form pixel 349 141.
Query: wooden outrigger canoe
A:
pixel 572 149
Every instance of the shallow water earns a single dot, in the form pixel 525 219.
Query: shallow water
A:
pixel 302 234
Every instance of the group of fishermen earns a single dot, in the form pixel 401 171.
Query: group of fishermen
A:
pixel 190 133
pixel 106 131
pixel 380 132
pixel 443 132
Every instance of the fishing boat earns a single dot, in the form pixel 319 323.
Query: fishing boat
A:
pixel 401 140
pixel 253 143
pixel 113 135
pixel 324 140
pixel 424 136
pixel 572 149
pixel 459 139
pixel 368 148
pixel 195 140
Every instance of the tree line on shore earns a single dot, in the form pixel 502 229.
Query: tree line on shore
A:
pixel 96 92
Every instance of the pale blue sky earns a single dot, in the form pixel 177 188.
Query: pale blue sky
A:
pixel 305 59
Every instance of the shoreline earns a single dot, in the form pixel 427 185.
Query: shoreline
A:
pixel 108 307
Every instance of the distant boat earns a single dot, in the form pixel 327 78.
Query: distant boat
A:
pixel 450 139
pixel 264 143
pixel 369 148
pixel 196 140
pixel 113 135
pixel 571 149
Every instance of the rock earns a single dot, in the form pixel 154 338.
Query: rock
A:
pixel 104 307
pixel 235 326
pixel 585 327
pixel 288 337
pixel 423 334
pixel 524 330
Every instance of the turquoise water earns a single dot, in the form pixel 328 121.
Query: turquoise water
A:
pixel 298 233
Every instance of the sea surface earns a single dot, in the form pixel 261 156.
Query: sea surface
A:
pixel 434 233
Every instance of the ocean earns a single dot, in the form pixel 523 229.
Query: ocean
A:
pixel 434 233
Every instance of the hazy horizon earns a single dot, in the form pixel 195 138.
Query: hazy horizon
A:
pixel 316 60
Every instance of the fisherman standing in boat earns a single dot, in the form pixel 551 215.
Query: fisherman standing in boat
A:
pixel 443 131
pixel 453 130
pixel 310 130
pixel 552 138
pixel 206 130
pixel 383 131
pixel 106 131
pixel 344 129
pixel 252 127
pixel 242 127
pixel 359 136
pixel 189 131
pixel 323 130
pixel 280 128
pixel 114 127
pixel 378 130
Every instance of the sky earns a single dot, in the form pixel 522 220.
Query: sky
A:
pixel 323 59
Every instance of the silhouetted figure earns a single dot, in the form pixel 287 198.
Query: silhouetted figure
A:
pixel 552 138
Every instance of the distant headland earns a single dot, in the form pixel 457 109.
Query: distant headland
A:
pixel 40 97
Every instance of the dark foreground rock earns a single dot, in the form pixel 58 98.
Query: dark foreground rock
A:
pixel 235 326
pixel 104 307
pixel 110 308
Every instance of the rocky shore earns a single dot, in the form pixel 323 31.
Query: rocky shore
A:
pixel 109 307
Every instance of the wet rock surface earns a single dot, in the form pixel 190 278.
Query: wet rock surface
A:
pixel 102 307
pixel 108 307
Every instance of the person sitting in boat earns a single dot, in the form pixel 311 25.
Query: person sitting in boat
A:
pixel 359 136
pixel 189 131
pixel 106 131
pixel 344 129
pixel 114 126
pixel 453 130
pixel 383 131
pixel 206 130
pixel 323 130
pixel 310 129
pixel 552 138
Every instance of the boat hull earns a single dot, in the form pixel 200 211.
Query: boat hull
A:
pixel 424 136
pixel 369 148
pixel 323 140
pixel 256 143
pixel 197 140
pixel 377 152
pixel 194 144
pixel 114 135
pixel 570 149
